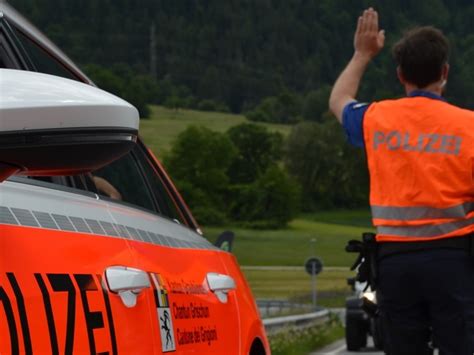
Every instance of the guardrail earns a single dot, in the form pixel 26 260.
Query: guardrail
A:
pixel 270 308
pixel 274 325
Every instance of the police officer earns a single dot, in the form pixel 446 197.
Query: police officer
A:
pixel 420 153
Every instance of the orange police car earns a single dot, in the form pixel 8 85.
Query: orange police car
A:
pixel 98 252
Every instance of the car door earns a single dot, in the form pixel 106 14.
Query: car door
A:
pixel 56 248
pixel 188 316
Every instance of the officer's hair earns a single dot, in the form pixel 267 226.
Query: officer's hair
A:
pixel 421 54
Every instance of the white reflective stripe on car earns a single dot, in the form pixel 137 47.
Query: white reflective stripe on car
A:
pixel 60 210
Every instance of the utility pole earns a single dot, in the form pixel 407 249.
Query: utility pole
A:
pixel 153 68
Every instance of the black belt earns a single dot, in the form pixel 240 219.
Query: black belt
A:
pixel 465 242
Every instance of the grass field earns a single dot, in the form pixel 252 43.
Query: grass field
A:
pixel 295 285
pixel 164 125
pixel 292 246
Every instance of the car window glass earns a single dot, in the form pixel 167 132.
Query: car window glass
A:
pixel 5 58
pixel 43 61
pixel 166 203
pixel 132 179
pixel 122 181
pixel 8 54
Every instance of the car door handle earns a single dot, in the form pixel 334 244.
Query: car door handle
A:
pixel 127 282
pixel 221 285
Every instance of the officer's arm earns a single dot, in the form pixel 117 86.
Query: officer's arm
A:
pixel 368 41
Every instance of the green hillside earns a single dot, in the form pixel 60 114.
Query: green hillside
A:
pixel 164 125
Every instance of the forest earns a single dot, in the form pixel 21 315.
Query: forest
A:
pixel 237 53
pixel 271 60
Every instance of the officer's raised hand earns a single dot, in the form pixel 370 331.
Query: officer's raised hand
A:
pixel 368 39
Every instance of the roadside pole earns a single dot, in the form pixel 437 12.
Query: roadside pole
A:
pixel 313 277
pixel 313 267
pixel 313 272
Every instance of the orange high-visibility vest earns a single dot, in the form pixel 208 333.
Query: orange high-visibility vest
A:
pixel 420 153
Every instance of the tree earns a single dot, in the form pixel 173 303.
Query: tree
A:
pixel 269 202
pixel 119 80
pixel 261 195
pixel 284 108
pixel 315 103
pixel 257 150
pixel 198 162
pixel 331 173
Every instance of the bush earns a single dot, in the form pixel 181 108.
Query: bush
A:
pixel 284 108
pixel 258 115
pixel 211 105
pixel 173 102
pixel 271 201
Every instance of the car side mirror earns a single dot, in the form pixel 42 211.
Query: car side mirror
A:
pixel 55 126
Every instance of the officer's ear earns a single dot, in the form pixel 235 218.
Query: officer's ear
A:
pixel 445 72
pixel 444 77
pixel 400 76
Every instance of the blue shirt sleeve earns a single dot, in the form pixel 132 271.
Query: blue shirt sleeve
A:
pixel 352 118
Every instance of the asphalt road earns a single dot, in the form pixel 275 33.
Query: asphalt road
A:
pixel 339 348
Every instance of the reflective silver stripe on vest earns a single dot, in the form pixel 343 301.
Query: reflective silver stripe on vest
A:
pixel 421 212
pixel 432 230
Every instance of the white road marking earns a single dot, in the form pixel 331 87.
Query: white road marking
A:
pixel 337 350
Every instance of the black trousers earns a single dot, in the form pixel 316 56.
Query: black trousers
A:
pixel 426 295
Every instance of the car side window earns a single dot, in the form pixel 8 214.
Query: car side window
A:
pixel 166 203
pixel 133 179
pixel 122 180
pixel 9 55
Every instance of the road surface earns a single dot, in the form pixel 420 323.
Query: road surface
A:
pixel 339 348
